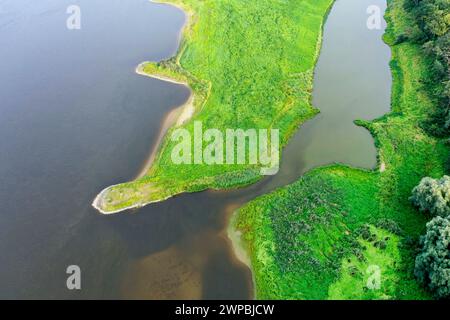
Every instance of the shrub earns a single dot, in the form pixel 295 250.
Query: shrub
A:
pixel 430 28
pixel 433 196
pixel 432 267
pixel 389 225
pixel 401 38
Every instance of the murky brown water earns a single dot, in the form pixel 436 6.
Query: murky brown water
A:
pixel 87 121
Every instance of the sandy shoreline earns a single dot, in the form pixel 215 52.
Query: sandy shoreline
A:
pixel 169 4
pixel 99 198
pixel 187 109
pixel 140 71
pixel 175 117
pixel 237 246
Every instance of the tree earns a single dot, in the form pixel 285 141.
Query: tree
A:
pixel 431 28
pixel 432 267
pixel 433 196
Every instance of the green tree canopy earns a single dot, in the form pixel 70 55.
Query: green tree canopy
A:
pixel 433 196
pixel 433 262
pixel 431 29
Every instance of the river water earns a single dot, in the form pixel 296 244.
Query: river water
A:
pixel 75 118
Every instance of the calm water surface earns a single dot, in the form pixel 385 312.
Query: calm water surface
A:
pixel 75 118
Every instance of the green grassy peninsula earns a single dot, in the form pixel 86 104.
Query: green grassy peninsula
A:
pixel 250 66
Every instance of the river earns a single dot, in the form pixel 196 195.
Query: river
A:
pixel 76 118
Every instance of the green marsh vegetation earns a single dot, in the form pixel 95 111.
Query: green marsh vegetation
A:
pixel 317 238
pixel 249 65
pixel 430 30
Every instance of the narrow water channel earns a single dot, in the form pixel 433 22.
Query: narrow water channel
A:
pixel 82 120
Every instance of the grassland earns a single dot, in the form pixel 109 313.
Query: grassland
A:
pixel 305 241
pixel 249 65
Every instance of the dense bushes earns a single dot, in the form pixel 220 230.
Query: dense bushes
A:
pixel 312 202
pixel 431 30
pixel 433 196
pixel 433 262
